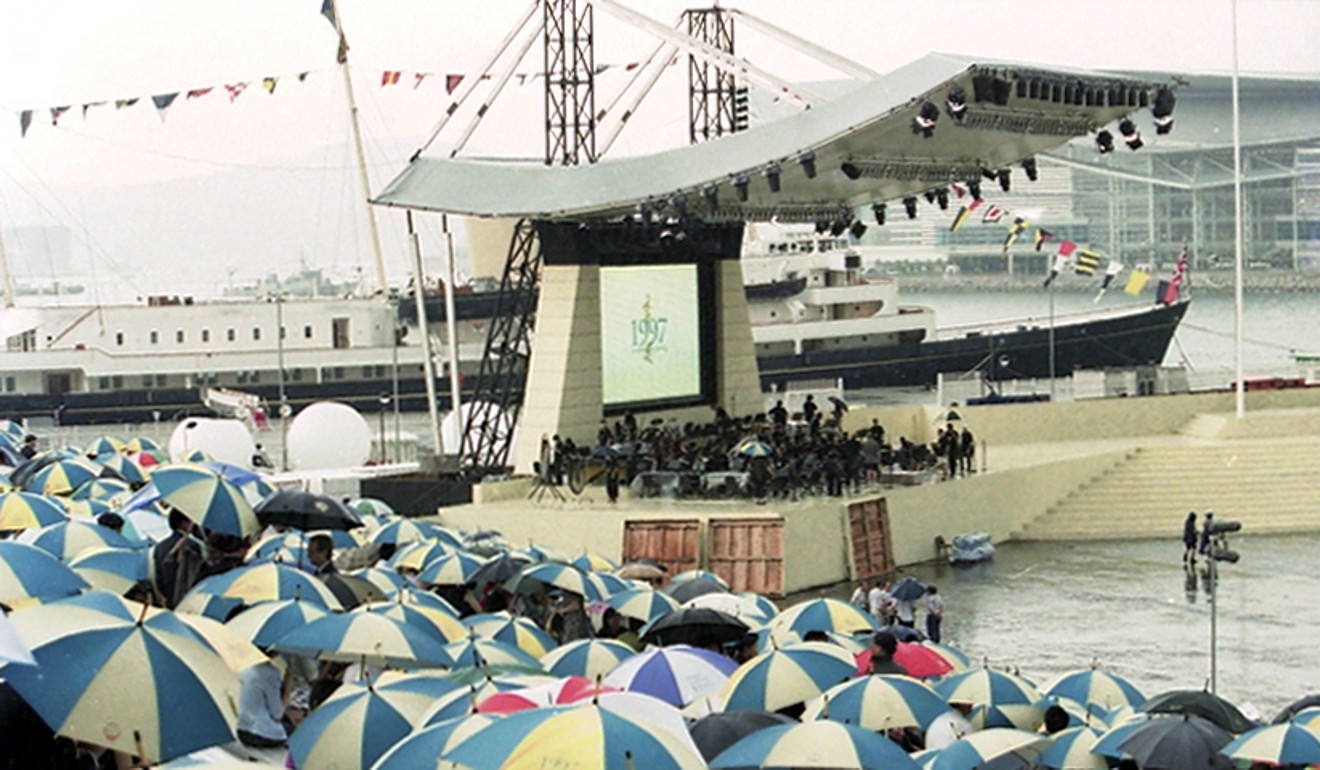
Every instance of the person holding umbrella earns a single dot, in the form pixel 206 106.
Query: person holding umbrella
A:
pixel 883 646
pixel 934 613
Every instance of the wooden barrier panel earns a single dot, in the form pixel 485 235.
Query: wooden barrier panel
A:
pixel 748 554
pixel 872 551
pixel 675 543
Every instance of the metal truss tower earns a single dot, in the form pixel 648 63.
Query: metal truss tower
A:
pixel 503 373
pixel 570 83
pixel 716 106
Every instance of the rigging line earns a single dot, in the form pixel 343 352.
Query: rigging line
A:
pixel 1261 343
pixel 1183 353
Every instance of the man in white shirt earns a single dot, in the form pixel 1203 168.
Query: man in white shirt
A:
pixel 859 598
pixel 934 613
pixel 880 602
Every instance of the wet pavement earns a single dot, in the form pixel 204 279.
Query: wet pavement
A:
pixel 1048 608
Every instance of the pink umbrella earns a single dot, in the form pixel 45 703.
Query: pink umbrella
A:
pixel 568 690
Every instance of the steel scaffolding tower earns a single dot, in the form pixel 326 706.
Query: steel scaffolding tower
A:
pixel 570 83
pixel 714 104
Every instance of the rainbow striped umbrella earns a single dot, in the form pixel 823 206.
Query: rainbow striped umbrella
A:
pixel 358 636
pixel 183 697
pixel 62 477
pixel 590 658
pixel 267 582
pixel 1095 686
pixel 206 498
pixel 28 573
pixel 451 569
pixel 587 737
pixel 823 615
pixel 879 703
pixel 69 538
pixel 25 510
pixel 779 678
pixel 996 743
pixel 111 569
pixel 642 604
pixel 519 632
pixel 264 624
pixel 677 674
pixel 479 653
pixel 105 445
pixel 815 745
pixel 103 489
pixel 1070 749
pixel 356 725
pixel 423 748
pixel 1287 743
pixel 435 623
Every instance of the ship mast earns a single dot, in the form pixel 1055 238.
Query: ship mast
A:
pixel 382 284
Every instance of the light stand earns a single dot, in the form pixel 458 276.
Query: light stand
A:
pixel 385 399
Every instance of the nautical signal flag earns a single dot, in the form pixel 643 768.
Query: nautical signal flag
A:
pixel 992 215
pixel 1111 272
pixel 1060 262
pixel 1087 262
pixel 964 213
pixel 1066 249
pixel 1137 281
pixel 390 77
pixel 1014 231
pixel 451 82
pixel 1042 235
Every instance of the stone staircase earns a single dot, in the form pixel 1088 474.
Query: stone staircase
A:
pixel 1270 485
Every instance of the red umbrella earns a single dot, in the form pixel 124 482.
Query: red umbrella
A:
pixel 921 662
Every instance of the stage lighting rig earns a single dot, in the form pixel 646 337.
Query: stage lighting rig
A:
pixel 1162 109
pixel 878 210
pixel 1104 141
pixel 1031 169
pixel 1131 136
pixel 924 122
pixel 957 103
pixel 910 205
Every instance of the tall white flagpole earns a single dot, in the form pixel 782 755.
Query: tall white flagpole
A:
pixel 1241 387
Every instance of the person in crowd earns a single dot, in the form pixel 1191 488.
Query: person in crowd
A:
pixel 905 612
pixel 222 553
pixel 617 627
pixel 1189 539
pixel 967 450
pixel 1207 534
pixel 321 555
pixel 934 613
pixel 568 621
pixel 858 598
pixel 809 409
pixel 779 415
pixel 1056 719
pixel 261 706
pixel 879 602
pixel 883 647
pixel 176 560
pixel 29 448
pixel 260 459
pixel 111 521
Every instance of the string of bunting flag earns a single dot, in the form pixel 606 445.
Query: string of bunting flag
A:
pixel 1083 261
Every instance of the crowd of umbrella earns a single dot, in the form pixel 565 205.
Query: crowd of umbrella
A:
pixel 494 691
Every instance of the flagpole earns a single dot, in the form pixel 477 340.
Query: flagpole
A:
pixel 1241 386
pixel 1051 340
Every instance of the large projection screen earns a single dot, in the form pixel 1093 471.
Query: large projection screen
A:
pixel 650 334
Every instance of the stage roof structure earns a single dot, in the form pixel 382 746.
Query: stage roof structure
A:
pixel 861 148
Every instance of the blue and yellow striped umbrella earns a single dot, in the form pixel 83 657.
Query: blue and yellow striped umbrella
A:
pixel 519 632
pixel 194 456
pixel 780 678
pixel 952 655
pixel 424 748
pixel 84 509
pixel 987 687
pixel 590 562
pixel 540 577
pixel 590 658
pixel 384 578
pixel 539 554
pixel 103 489
pixel 418 554
pixel 1109 742
pixel 452 569
pixel 255 487
pixel 823 615
pixel 1095 686
pixel 264 624
pixel 986 746
pixel 12 429
pixel 67 539
pixel 437 623
pixel 1286 743
pixel 1308 718
pixel 879 703
pixel 372 506
pixel 123 466
pixel 479 653
pixel 265 583
pixel 400 531
pixel 25 510
pixel 28 573
pixel 361 721
pixel 111 569
pixel 143 683
pixel 141 444
pixel 698 574
pixel 358 636
pixel 642 604
pixel 1070 749
pixel 62 477
pixel 463 701
pixel 206 498
pixel 586 737
pixel 814 745
pixel 105 445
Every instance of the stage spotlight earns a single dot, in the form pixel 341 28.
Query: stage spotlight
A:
pixel 878 210
pixel 930 195
pixel 740 184
pixel 858 229
pixel 838 226
pixel 1005 179
pixel 1104 142
pixel 772 174
pixel 1163 111
pixel 1029 166
pixel 678 205
pixel 1131 136
pixel 924 122
pixel 974 187
pixel 712 195
pixel 942 197
pixel 910 205
pixel 851 171
pixel 808 162
pixel 957 103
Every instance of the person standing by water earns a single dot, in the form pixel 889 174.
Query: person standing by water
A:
pixel 1189 539
pixel 934 613
pixel 1207 533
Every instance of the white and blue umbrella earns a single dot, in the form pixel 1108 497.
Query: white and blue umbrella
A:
pixel 1110 742
pixel 479 653
pixel 879 703
pixel 463 701
pixel 451 569
pixel 12 647
pixel 590 658
pixel 111 569
pixel 267 622
pixel 783 677
pixel 26 510
pixel 1004 746
pixel 366 636
pixel 823 615
pixel 27 573
pixel 814 745
pixel 1095 686
pixel 677 674
pixel 1282 744
pixel 1070 749
pixel 540 577
pixel 67 539
pixel 642 604
pixel 423 748
pixel 517 631
pixel 205 497
pixel 986 686
pixel 267 582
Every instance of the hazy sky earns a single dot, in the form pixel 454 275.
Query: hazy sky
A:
pixel 221 188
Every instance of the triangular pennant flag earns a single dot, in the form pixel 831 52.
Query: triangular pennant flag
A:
pixel 55 113
pixel 269 84
pixel 1087 262
pixel 992 215
pixel 451 82
pixel 418 77
pixel 1060 262
pixel 1014 231
pixel 302 76
pixel 198 93
pixel 90 105
pixel 632 65
pixel 522 78
pixel 163 102
pixel 235 89
pixel 1136 281
pixel 122 103
pixel 958 190
pixel 24 120
pixel 390 77
pixel 328 11
pixel 1111 272
pixel 960 218
pixel 1042 235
